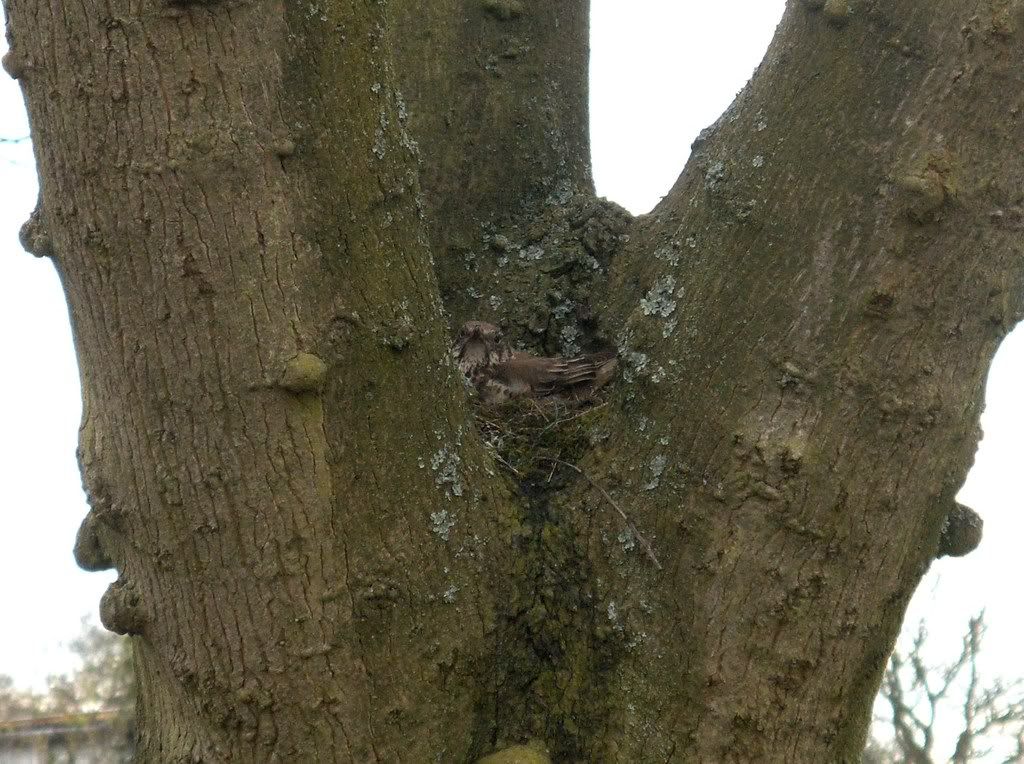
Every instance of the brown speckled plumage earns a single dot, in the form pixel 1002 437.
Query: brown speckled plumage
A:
pixel 499 373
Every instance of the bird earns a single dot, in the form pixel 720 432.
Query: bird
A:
pixel 499 373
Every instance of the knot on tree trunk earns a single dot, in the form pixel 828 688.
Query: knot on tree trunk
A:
pixel 303 373
pixel 836 11
pixel 89 552
pixel 34 236
pixel 961 533
pixel 15 64
pixel 504 9
pixel 532 753
pixel 121 609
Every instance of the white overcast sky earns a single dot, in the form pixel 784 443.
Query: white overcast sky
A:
pixel 662 70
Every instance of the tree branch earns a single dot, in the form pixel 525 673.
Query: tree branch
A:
pixel 253 300
pixel 497 91
pixel 817 300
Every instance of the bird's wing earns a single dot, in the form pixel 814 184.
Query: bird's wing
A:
pixel 527 374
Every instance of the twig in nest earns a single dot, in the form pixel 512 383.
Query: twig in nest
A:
pixel 538 409
pixel 560 422
pixel 554 466
pixel 501 459
pixel 625 518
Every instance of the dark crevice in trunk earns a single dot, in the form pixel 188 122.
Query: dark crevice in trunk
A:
pixel 558 642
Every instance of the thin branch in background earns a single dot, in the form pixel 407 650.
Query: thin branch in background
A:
pixel 972 645
pixel 905 721
pixel 16 157
pixel 986 709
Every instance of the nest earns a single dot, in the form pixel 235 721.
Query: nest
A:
pixel 527 436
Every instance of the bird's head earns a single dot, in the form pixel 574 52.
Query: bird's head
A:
pixel 478 344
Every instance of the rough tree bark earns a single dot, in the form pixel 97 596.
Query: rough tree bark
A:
pixel 321 557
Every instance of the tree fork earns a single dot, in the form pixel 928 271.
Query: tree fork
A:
pixel 498 102
pixel 804 325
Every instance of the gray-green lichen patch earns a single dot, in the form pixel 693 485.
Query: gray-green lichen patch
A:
pixel 657 468
pixel 714 175
pixel 532 252
pixel 613 616
pixel 303 373
pixel 658 300
pixel 441 523
pixel 570 339
pixel 539 277
pixel 398 331
pixel 450 594
pixel 668 254
pixel 380 136
pixel 636 364
pixel 445 465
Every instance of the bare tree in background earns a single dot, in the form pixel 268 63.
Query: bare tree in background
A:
pixel 922 696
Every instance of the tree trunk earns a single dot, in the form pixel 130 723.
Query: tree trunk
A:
pixel 325 552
